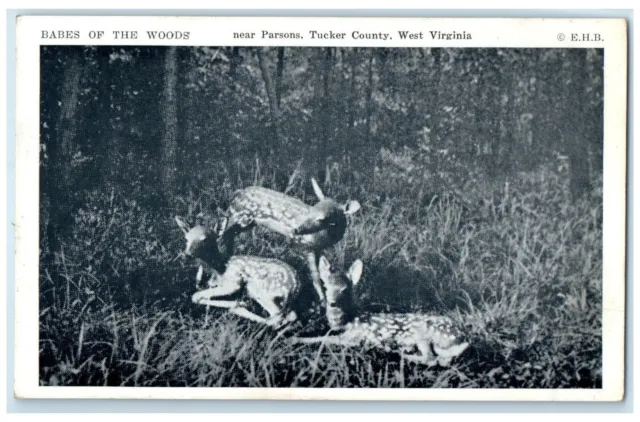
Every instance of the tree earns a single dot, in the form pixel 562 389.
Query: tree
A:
pixel 59 182
pixel 574 127
pixel 325 118
pixel 169 112
pixel 279 75
pixel 274 109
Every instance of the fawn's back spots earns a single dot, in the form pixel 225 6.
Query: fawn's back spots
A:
pixel 310 228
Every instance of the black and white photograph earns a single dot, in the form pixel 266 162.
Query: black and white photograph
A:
pixel 321 217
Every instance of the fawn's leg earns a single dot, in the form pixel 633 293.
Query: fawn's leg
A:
pixel 338 339
pixel 245 313
pixel 223 289
pixel 420 359
pixel 228 304
pixel 307 340
pixel 446 356
pixel 444 362
pixel 276 313
pixel 312 261
pixel 235 307
pixel 426 356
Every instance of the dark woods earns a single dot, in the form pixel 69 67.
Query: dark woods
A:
pixel 452 152
pixel 161 121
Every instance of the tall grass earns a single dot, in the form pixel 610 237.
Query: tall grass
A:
pixel 516 262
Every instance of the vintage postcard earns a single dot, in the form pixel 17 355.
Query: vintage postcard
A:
pixel 320 208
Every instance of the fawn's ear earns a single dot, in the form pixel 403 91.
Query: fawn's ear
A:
pixel 220 212
pixel 317 190
pixel 220 226
pixel 181 224
pixel 352 207
pixel 324 265
pixel 355 271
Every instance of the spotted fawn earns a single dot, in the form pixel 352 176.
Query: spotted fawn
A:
pixel 311 228
pixel 273 284
pixel 420 338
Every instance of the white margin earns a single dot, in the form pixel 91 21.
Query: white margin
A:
pixel 540 33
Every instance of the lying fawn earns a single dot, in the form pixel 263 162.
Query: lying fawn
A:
pixel 311 228
pixel 272 283
pixel 436 339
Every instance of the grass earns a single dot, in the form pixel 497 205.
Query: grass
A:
pixel 516 262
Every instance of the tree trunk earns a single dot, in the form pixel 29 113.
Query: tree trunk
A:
pixel 61 150
pixel 188 113
pixel 273 105
pixel 508 119
pixel 595 128
pixel 433 100
pixel 70 91
pixel 490 108
pixel 326 118
pixel 574 133
pixel 279 74
pixel 235 61
pixel 227 112
pixel 352 136
pixel 370 99
pixel 170 118
pixel 369 147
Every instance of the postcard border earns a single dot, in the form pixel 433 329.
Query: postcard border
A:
pixel 612 199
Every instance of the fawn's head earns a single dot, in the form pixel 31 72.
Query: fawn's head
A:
pixel 202 243
pixel 339 291
pixel 331 213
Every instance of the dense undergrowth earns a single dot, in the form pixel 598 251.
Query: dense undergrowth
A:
pixel 515 262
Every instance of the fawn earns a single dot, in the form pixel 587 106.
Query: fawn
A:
pixel 273 284
pixel 311 228
pixel 436 339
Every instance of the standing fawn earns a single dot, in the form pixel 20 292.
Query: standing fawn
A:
pixel 435 338
pixel 311 228
pixel 272 283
